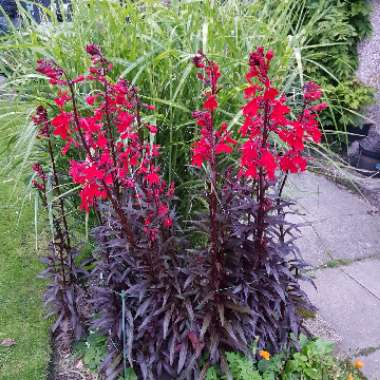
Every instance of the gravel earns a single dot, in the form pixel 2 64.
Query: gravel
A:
pixel 319 327
pixel 369 62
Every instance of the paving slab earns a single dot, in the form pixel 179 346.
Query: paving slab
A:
pixel 371 367
pixel 312 248
pixel 323 198
pixel 367 274
pixel 352 238
pixel 343 224
pixel 352 311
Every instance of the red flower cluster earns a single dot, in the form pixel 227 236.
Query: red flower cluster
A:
pixel 41 120
pixel 109 138
pixel 266 113
pixel 213 140
pixel 40 182
pixel 51 70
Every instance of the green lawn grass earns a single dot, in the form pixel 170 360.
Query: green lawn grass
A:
pixel 21 308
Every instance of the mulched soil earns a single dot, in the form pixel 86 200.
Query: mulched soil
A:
pixel 65 366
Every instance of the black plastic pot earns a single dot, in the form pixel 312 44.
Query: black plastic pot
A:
pixel 357 133
pixel 369 161
pixel 10 7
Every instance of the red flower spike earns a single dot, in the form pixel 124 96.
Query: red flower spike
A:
pixel 213 141
pixel 93 50
pixel 115 161
pixel 266 112
pixel 40 119
pixel 50 69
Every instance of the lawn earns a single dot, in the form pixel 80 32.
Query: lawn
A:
pixel 21 310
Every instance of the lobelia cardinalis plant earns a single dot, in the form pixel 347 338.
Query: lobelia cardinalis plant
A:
pixel 170 311
pixel 65 293
pixel 138 296
pixel 253 291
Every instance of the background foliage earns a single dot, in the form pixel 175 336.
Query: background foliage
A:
pixel 336 27
pixel 152 44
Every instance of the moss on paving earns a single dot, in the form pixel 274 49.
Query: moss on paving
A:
pixel 21 309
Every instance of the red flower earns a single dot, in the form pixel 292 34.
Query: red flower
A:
pixel 168 222
pixel 163 210
pixel 223 148
pixel 89 194
pixel 41 120
pixel 198 60
pixel 211 103
pixel 50 69
pixel 92 49
pixel 268 162
pixel 150 107
pixel 152 128
pixel 312 91
pixel 124 121
pixel 37 185
pixel 270 93
pixel 153 178
pixel 90 100
pixel 251 108
pixel 62 99
pixel 62 125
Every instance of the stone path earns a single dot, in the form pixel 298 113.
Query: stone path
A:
pixel 342 243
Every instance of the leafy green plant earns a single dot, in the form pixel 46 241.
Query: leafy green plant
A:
pixel 92 350
pixel 348 99
pixel 333 30
pixel 314 361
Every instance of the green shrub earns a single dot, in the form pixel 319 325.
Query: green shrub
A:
pixel 347 99
pixel 335 28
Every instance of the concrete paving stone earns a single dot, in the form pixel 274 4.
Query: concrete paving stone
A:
pixel 319 327
pixel 321 198
pixel 367 273
pixel 353 311
pixel 352 238
pixel 312 248
pixel 371 367
pixel 343 222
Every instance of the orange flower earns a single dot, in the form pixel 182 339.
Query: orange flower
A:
pixel 358 364
pixel 350 377
pixel 264 354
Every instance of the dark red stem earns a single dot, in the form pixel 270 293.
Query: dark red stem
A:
pixel 262 188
